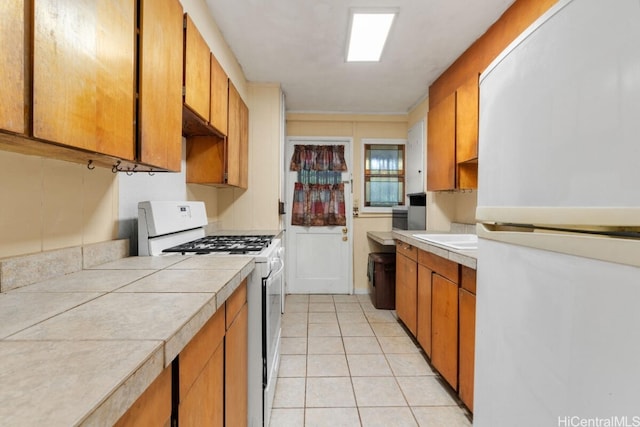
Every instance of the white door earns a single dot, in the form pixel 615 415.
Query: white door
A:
pixel 319 258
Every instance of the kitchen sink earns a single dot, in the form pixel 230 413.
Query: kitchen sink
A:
pixel 452 241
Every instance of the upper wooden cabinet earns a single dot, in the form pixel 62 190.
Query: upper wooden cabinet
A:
pixel 197 71
pixel 13 96
pixel 237 140
pixel 467 105
pixel 441 145
pixel 452 143
pixel 467 112
pixel 160 84
pixel 84 74
pixel 101 80
pixel 219 161
pixel 219 97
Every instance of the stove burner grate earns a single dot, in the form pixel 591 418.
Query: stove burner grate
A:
pixel 231 244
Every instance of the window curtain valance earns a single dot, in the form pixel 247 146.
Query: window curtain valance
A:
pixel 319 158
pixel 318 196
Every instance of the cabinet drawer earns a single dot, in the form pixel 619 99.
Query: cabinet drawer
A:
pixel 199 350
pixel 443 267
pixel 468 279
pixel 407 250
pixel 235 302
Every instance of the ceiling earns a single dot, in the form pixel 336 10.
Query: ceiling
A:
pixel 301 45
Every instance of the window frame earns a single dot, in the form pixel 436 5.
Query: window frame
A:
pixel 379 141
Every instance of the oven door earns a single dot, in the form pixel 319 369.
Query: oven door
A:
pixel 272 312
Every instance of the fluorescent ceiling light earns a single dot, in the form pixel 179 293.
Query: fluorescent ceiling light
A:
pixel 369 31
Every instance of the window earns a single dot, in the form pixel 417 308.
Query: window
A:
pixel 384 179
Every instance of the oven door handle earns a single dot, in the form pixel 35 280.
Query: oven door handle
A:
pixel 280 267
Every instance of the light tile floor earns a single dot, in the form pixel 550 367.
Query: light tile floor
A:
pixel 344 363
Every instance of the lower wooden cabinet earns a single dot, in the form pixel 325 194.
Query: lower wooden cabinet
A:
pixel 203 404
pixel 406 290
pixel 467 302
pixel 444 336
pixel 201 376
pixel 435 299
pixel 153 407
pixel 467 310
pixel 424 308
pixel 236 359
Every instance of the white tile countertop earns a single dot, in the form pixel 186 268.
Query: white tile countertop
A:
pixel 467 258
pixel 80 348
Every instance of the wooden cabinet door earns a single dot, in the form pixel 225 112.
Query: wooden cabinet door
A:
pixel 236 363
pixel 153 407
pixel 424 308
pixel 13 27
pixel 197 71
pixel 160 84
pixel 441 145
pixel 467 107
pixel 201 376
pixel 244 146
pixel 84 75
pixel 467 111
pixel 406 291
pixel 205 160
pixel 219 97
pixel 203 403
pixel 237 140
pixel 467 302
pixel 444 336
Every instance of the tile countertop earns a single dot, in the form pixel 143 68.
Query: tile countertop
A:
pixel 467 258
pixel 78 349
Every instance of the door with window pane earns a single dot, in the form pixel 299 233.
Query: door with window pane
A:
pixel 319 258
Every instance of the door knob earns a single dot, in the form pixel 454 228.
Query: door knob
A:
pixel 345 238
pixel 344 230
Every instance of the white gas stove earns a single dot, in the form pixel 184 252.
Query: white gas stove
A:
pixel 170 228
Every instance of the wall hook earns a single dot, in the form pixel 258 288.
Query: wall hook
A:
pixel 90 165
pixel 116 167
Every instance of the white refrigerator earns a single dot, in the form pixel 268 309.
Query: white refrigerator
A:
pixel 558 294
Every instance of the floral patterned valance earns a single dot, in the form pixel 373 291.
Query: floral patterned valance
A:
pixel 318 157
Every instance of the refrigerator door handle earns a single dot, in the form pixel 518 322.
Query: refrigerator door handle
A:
pixel 601 247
